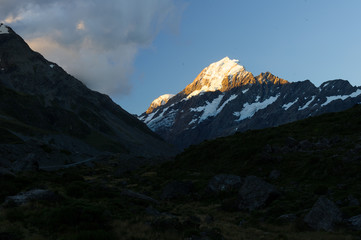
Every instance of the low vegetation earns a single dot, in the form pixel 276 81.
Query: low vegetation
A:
pixel 304 160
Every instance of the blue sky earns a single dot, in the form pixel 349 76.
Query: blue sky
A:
pixel 140 49
pixel 295 40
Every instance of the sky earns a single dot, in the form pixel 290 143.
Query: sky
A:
pixel 137 50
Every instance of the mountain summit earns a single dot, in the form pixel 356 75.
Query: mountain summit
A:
pixel 49 117
pixel 225 98
pixel 223 76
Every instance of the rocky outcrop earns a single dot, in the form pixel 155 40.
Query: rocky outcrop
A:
pixel 324 215
pixel 256 193
pixel 355 222
pixel 224 183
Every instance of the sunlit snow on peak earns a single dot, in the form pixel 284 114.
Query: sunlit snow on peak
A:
pixel 212 77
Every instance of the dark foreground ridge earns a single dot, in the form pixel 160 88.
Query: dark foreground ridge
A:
pixel 296 181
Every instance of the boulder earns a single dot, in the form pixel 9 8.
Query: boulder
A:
pixel 256 193
pixel 32 195
pixel 355 222
pixel 224 183
pixel 287 218
pixel 177 190
pixel 323 215
pixel 274 174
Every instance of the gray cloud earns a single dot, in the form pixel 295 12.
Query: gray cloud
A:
pixel 95 40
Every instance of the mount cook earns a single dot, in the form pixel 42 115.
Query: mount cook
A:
pixel 225 98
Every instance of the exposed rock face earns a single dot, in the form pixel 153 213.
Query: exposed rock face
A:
pixel 224 98
pixel 40 102
pixel 256 193
pixel 224 183
pixel 323 215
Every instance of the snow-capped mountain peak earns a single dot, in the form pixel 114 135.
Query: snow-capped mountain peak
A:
pixel 221 75
pixel 161 100
pixel 225 98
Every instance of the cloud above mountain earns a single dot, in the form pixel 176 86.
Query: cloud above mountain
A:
pixel 97 41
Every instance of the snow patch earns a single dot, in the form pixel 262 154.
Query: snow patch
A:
pixel 210 109
pixel 161 100
pixel 195 93
pixel 342 97
pixel 193 121
pixel 250 109
pixel 162 120
pixel 244 91
pixel 288 105
pixel 51 65
pixel 307 104
pixel 149 117
pixel 232 97
pixel 3 29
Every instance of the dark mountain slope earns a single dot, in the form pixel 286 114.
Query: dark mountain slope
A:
pixel 60 112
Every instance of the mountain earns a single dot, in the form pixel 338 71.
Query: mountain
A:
pixel 50 118
pixel 225 98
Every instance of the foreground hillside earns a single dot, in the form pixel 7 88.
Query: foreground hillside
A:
pixel 297 181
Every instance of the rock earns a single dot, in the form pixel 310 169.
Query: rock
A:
pixel 138 196
pixel 32 195
pixel 323 215
pixel 256 193
pixel 287 217
pixel 224 183
pixel 177 190
pixel 274 174
pixel 352 201
pixel 355 222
